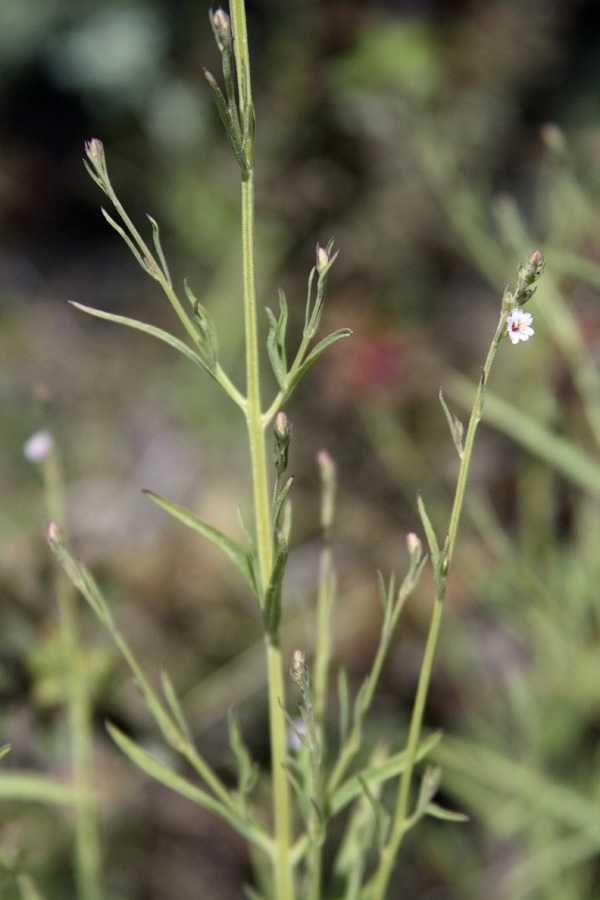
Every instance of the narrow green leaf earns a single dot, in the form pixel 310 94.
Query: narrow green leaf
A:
pixel 429 532
pixel 457 429
pixel 5 749
pixel 295 783
pixel 204 326
pixel 381 816
pixel 95 177
pixel 151 330
pixel 159 250
pixel 383 594
pixel 344 704
pixel 276 340
pixel 236 554
pixel 127 240
pixel 447 815
pixel 318 827
pixel 286 525
pixel 314 354
pixel 307 314
pixel 161 773
pixel 231 127
pixel 174 704
pixel 35 788
pixel 79 576
pixel 252 555
pixel 573 463
pixel 374 775
pixel 272 608
pixel 280 500
pixel 246 767
pixel 430 783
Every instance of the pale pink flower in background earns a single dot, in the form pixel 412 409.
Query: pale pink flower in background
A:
pixel 38 447
pixel 518 325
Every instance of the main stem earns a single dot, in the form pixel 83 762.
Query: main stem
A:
pixel 283 881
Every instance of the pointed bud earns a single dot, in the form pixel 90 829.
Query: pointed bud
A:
pixel 282 432
pixel 414 545
pixel 221 26
pixel 53 534
pixel 322 259
pixel 94 150
pixel 299 669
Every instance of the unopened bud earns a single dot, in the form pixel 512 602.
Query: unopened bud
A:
pixel 53 534
pixel 531 271
pixel 299 669
pixel 508 300
pixel 94 150
pixel 414 545
pixel 322 259
pixel 221 26
pixel 282 432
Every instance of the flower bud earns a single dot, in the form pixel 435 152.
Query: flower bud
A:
pixel 53 534
pixel 322 259
pixel 94 150
pixel 299 669
pixel 282 432
pixel 414 545
pixel 508 300
pixel 534 267
pixel 221 26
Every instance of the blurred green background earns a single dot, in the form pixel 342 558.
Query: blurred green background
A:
pixel 440 143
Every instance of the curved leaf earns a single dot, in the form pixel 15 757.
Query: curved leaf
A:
pixel 236 554
pixel 151 330
pixel 373 775
pixel 314 354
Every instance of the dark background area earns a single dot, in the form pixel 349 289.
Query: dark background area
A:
pixel 411 132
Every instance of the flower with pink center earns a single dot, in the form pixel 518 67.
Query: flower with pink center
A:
pixel 518 326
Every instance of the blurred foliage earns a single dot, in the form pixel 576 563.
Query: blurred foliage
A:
pixel 402 128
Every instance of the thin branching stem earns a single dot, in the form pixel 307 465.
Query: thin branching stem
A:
pixel 401 816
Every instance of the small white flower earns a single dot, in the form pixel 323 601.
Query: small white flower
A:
pixel 518 326
pixel 38 447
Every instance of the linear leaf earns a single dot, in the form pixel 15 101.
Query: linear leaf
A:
pixel 35 788
pixel 159 249
pixel 374 775
pixel 151 330
pixel 447 815
pixel 231 126
pixel 272 607
pixel 174 704
pixel 429 532
pixel 236 554
pixel 180 785
pixel 314 354
pixel 127 240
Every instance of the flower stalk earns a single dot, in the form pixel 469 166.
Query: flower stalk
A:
pixel 441 560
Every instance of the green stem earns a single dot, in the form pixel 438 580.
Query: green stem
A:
pixel 283 886
pixel 401 816
pixel 79 705
pixel 165 283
